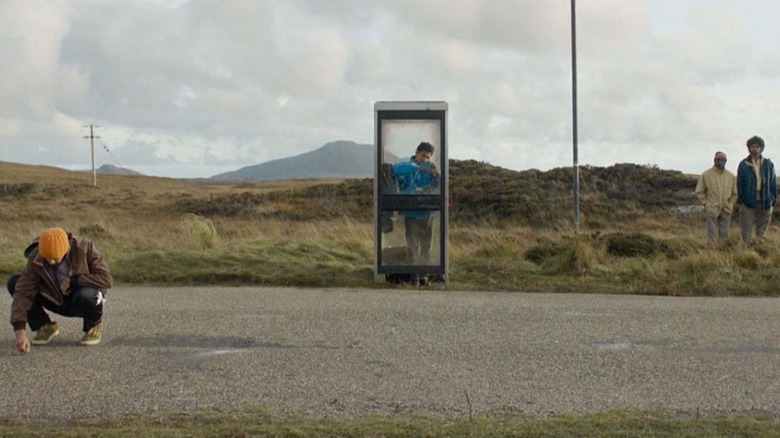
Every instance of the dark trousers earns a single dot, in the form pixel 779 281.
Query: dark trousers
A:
pixel 419 233
pixel 84 302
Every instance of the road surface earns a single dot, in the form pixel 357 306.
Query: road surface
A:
pixel 351 353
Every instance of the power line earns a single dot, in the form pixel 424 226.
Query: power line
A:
pixel 116 159
pixel 105 147
pixel 178 147
pixel 39 136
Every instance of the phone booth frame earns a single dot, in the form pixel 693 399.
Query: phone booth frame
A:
pixel 396 124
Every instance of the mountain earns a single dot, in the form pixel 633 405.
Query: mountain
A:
pixel 110 168
pixel 338 159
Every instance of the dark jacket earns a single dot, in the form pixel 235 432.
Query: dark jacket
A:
pixel 746 184
pixel 87 268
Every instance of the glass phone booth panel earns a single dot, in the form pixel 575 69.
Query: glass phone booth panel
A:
pixel 411 189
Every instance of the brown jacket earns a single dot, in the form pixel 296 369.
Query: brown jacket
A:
pixel 87 268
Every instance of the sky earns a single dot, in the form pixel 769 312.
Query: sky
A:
pixel 195 88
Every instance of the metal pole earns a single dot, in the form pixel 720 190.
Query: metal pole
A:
pixel 576 166
pixel 92 138
pixel 92 142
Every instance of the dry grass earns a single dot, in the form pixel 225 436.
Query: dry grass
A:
pixel 139 224
pixel 234 423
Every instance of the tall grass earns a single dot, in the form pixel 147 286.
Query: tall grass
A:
pixel 339 252
pixel 198 231
pixel 147 240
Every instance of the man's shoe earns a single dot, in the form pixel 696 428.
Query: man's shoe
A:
pixel 92 337
pixel 44 334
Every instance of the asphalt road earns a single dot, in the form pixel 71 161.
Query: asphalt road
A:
pixel 350 353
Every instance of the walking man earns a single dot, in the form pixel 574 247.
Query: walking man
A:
pixel 66 275
pixel 757 190
pixel 717 190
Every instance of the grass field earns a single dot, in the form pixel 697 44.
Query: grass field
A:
pixel 159 231
pixel 310 233
pixel 260 423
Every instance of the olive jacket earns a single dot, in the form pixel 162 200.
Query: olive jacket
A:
pixel 87 268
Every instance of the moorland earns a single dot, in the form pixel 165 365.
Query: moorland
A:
pixel 509 230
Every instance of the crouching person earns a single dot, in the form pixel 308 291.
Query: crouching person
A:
pixel 66 275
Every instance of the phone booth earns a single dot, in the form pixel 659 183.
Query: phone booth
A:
pixel 411 192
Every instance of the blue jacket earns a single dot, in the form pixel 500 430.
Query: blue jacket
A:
pixel 415 179
pixel 746 184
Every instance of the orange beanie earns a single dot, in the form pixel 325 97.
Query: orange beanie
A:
pixel 53 243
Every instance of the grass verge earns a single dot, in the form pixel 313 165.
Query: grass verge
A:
pixel 261 423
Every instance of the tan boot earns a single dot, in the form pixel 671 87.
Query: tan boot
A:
pixel 92 337
pixel 45 334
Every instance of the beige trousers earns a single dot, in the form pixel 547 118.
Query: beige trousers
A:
pixel 754 217
pixel 718 227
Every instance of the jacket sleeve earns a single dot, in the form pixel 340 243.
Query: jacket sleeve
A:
pixel 435 177
pixel 740 184
pixel 403 169
pixel 25 291
pixel 733 197
pixel 700 190
pixel 773 183
pixel 99 275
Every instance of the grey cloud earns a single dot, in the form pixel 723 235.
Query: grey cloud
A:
pixel 29 49
pixel 139 152
pixel 203 81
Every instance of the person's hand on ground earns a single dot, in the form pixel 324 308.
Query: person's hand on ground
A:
pixel 22 341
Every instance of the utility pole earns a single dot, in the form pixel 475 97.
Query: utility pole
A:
pixel 92 138
pixel 576 166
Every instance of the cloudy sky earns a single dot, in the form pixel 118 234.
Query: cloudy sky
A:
pixel 194 88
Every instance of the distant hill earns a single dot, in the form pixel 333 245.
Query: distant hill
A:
pixel 338 159
pixel 110 168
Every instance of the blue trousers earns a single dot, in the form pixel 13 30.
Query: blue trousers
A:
pixel 83 302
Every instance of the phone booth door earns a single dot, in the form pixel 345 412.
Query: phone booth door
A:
pixel 411 191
